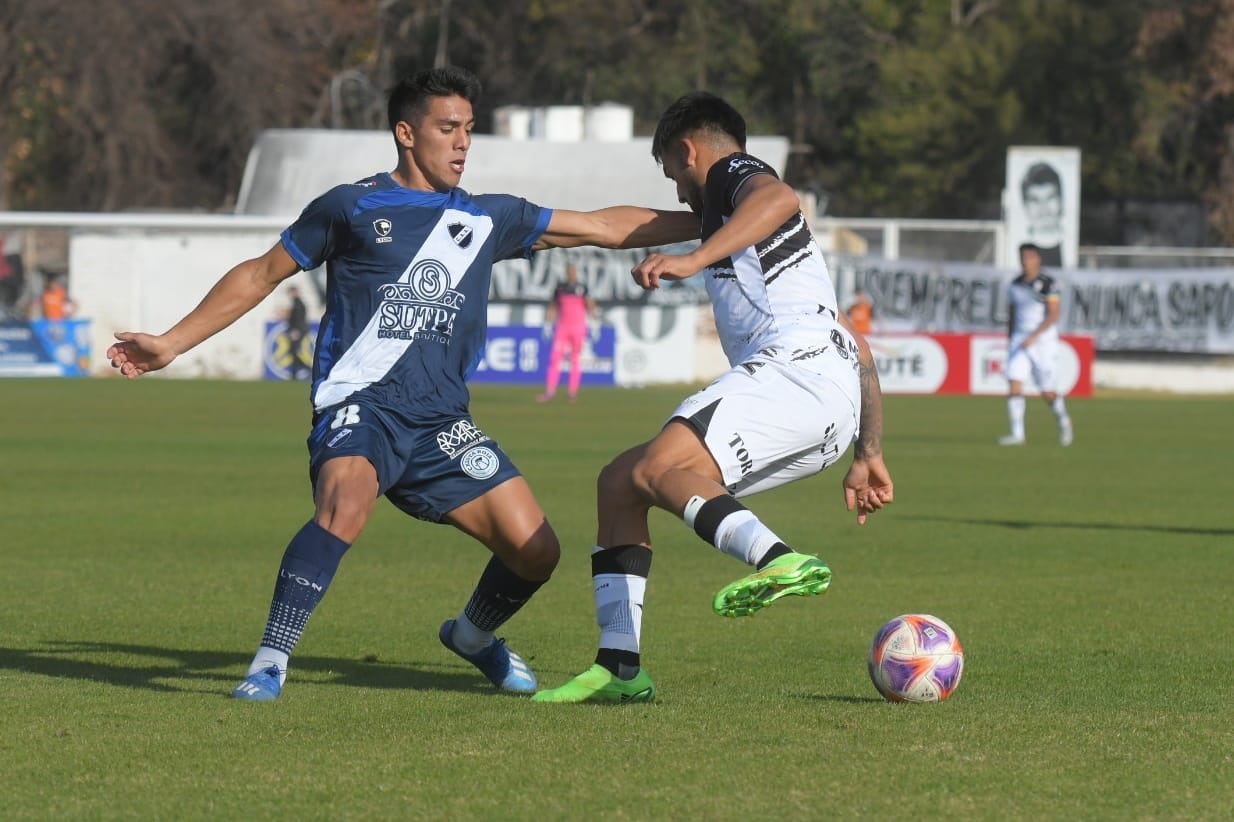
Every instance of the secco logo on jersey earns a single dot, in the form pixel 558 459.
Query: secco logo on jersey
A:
pixel 737 163
pixel 479 463
pixel 422 308
pixel 461 436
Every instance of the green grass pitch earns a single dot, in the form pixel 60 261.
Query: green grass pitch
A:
pixel 1093 589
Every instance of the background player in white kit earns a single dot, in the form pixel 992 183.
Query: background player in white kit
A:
pixel 1034 305
pixel 802 387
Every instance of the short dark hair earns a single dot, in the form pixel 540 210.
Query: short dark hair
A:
pixel 1030 247
pixel 409 100
pixel 698 111
pixel 1040 174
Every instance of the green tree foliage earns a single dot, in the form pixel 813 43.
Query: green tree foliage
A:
pixel 894 107
pixel 959 82
pixel 1185 127
pixel 154 103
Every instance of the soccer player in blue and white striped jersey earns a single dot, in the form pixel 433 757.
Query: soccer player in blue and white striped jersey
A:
pixel 408 256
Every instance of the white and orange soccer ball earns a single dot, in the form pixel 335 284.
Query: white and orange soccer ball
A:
pixel 916 658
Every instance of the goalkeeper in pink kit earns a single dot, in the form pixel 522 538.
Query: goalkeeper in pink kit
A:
pixel 569 310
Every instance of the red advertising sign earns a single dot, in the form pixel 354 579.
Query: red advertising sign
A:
pixel 969 364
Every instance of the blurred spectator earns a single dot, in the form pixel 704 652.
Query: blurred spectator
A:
pixel 12 273
pixel 297 330
pixel 54 303
pixel 861 313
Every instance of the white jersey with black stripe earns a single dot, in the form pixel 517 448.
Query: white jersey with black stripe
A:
pixel 1028 302
pixel 775 293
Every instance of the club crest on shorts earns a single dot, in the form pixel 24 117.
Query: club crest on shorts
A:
pixel 479 463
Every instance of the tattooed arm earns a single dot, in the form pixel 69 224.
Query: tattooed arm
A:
pixel 867 485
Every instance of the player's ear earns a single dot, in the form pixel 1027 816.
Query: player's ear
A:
pixel 404 134
pixel 688 152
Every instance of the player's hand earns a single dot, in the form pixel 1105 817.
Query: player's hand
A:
pixel 656 267
pixel 137 354
pixel 867 487
pixel 546 331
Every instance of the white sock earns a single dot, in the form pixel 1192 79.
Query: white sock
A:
pixel 619 610
pixel 1015 414
pixel 1060 410
pixel 265 658
pixel 741 534
pixel 468 638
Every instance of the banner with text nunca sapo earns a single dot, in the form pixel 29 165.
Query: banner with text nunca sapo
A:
pixel 1146 310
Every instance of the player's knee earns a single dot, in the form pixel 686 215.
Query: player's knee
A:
pixel 645 477
pixel 345 518
pixel 616 481
pixel 538 558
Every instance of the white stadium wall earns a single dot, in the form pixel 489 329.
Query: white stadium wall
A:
pixel 146 281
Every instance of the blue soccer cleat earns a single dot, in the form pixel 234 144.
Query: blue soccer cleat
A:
pixel 262 686
pixel 503 667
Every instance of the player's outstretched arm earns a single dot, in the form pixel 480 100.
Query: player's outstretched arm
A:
pixel 762 205
pixel 618 227
pixel 867 485
pixel 236 293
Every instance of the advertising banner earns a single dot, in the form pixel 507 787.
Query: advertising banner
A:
pixel 520 354
pixel 652 343
pixel 513 354
pixel 969 364
pixel 278 354
pixel 1189 309
pixel 988 360
pixel 45 348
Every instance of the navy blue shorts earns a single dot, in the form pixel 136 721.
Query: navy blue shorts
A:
pixel 426 468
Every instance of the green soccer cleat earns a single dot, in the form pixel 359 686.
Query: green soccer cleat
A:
pixel 790 575
pixel 598 684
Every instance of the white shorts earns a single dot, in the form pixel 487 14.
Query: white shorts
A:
pixel 1038 360
pixel 774 419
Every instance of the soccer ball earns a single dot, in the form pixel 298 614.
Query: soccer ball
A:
pixel 916 658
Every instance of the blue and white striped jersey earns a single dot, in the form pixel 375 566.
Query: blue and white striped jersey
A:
pixel 407 284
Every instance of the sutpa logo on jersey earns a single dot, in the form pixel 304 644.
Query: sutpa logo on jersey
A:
pixel 423 307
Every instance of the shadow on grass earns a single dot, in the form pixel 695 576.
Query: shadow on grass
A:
pixel 182 670
pixel 850 700
pixel 1081 526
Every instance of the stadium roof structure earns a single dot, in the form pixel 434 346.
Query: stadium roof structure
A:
pixel 287 168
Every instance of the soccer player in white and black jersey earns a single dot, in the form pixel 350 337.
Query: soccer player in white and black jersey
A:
pixel 802 387
pixel 1033 308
